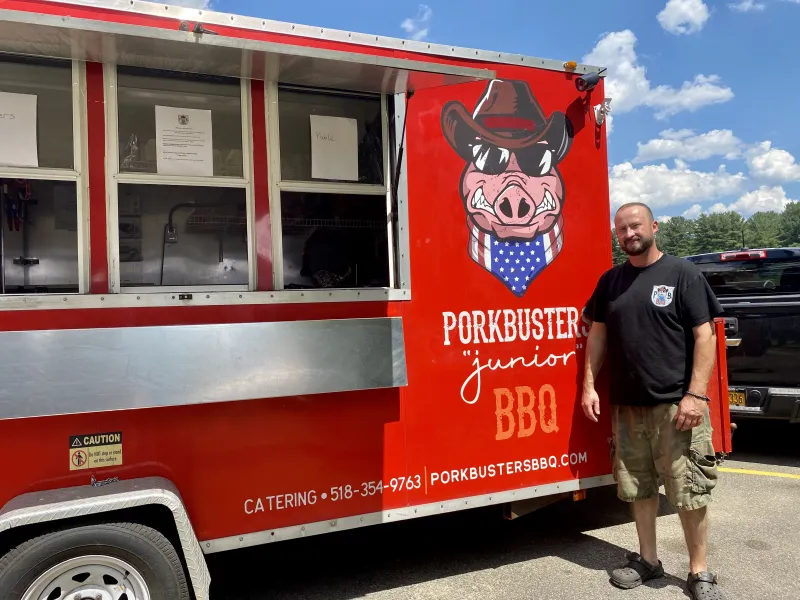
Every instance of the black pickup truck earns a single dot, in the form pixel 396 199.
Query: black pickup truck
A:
pixel 760 292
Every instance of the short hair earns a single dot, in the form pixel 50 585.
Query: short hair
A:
pixel 640 204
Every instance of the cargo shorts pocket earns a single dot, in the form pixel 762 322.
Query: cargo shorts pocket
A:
pixel 702 468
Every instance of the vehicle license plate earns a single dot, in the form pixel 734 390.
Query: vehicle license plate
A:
pixel 736 398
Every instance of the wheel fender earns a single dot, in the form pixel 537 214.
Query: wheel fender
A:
pixel 61 504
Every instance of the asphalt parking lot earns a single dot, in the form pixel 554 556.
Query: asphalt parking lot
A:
pixel 564 551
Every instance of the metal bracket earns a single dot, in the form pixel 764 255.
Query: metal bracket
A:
pixel 63 504
pixel 601 111
pixel 25 261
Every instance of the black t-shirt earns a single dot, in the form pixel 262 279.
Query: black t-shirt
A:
pixel 650 313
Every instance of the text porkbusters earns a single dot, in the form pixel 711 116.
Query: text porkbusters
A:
pixel 510 325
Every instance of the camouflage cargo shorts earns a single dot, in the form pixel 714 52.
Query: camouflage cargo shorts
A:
pixel 647 448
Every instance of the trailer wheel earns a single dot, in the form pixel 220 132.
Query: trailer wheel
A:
pixel 110 561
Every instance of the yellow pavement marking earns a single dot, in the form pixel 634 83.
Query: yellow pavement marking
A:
pixel 762 473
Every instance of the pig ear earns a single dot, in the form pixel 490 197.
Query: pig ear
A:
pixel 560 135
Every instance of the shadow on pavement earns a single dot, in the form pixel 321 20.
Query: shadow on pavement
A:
pixel 353 564
pixel 768 443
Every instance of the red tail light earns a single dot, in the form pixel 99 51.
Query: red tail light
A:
pixel 749 255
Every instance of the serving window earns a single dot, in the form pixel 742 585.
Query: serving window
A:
pixel 331 189
pixel 43 238
pixel 181 216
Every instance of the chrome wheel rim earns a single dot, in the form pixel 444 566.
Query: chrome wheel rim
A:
pixel 89 578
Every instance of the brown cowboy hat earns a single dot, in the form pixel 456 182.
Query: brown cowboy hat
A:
pixel 509 116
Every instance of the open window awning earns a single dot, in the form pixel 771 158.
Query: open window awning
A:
pixel 184 51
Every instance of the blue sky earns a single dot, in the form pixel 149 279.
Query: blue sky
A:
pixel 703 90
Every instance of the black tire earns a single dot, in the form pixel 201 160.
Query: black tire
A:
pixel 143 548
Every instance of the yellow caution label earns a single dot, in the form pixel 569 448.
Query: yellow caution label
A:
pixel 95 451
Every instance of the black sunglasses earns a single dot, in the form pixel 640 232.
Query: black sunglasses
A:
pixel 534 161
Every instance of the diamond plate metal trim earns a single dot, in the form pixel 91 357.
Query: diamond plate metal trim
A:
pixel 60 505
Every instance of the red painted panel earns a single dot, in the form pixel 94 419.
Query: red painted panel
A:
pixel 98 231
pixel 473 429
pixel 263 223
pixel 32 320
pixel 718 393
pixel 221 455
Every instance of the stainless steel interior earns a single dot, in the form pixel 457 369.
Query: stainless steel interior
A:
pixel 206 245
pixel 40 244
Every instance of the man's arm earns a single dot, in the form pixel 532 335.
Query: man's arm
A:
pixel 704 351
pixel 691 410
pixel 595 354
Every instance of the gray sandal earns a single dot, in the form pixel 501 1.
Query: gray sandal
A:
pixel 636 572
pixel 703 586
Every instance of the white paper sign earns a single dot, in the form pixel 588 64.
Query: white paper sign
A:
pixel 334 148
pixel 18 130
pixel 183 139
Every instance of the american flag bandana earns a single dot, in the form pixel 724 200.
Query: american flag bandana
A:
pixel 516 264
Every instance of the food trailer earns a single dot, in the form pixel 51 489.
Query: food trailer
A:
pixel 262 281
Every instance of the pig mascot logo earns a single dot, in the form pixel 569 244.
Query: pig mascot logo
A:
pixel 511 187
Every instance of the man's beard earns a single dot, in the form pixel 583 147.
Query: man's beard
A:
pixel 638 247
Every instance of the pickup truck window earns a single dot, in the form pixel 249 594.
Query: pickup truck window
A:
pixel 767 276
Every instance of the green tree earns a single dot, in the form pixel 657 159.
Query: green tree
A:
pixel 763 230
pixel 719 232
pixel 790 225
pixel 677 236
pixel 618 256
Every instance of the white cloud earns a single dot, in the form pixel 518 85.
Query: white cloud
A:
pixel 747 6
pixel 660 186
pixel 687 145
pixel 763 199
pixel 692 212
pixel 774 164
pixel 684 17
pixel 418 27
pixel 629 87
pixel 664 219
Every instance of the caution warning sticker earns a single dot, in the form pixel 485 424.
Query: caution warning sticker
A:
pixel 95 451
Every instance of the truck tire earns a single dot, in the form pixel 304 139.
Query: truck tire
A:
pixel 118 561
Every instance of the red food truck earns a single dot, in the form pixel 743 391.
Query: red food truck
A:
pixel 262 281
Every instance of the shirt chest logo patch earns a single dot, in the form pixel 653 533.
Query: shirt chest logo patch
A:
pixel 662 295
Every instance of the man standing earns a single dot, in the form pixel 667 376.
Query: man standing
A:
pixel 652 325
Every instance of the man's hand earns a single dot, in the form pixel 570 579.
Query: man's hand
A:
pixel 690 413
pixel 591 404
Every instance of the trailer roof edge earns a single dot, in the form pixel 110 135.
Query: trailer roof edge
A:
pixel 211 17
pixel 80 38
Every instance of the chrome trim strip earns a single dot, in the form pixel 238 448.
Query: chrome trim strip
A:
pixel 199 298
pixel 758 305
pixel 746 409
pixel 733 342
pixel 784 392
pixel 209 18
pixel 403 256
pixel 400 514
pixel 58 372
pixel 64 504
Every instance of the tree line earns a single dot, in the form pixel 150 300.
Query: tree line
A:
pixel 724 231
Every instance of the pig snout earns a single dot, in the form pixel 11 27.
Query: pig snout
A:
pixel 514 206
